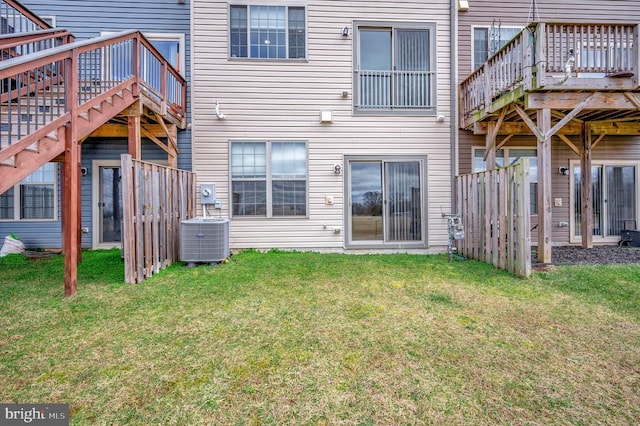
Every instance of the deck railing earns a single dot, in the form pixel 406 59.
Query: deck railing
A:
pixel 553 56
pixel 15 18
pixel 382 90
pixel 19 44
pixel 36 89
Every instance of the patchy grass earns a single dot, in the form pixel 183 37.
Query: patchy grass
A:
pixel 307 338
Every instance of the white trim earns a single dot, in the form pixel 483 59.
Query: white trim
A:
pixel 51 19
pixel 95 211
pixel 179 37
pixel 572 225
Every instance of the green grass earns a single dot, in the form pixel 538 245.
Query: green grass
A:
pixel 307 338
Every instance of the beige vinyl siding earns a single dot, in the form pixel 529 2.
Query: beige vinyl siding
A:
pixel 282 100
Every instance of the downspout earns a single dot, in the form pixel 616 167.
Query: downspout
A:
pixel 454 100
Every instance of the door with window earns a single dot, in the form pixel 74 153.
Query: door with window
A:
pixel 614 200
pixel 107 194
pixel 386 202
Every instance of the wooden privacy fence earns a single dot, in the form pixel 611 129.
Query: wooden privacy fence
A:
pixel 495 210
pixel 154 200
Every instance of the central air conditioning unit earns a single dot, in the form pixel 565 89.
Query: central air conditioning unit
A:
pixel 204 240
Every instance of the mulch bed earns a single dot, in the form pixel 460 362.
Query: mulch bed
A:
pixel 598 255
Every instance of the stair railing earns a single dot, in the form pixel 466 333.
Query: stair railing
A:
pixel 36 90
pixel 15 18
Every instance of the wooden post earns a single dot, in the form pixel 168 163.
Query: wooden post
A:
pixel 71 190
pixel 134 137
pixel 128 236
pixel 523 256
pixel 544 187
pixel 70 218
pixel 586 189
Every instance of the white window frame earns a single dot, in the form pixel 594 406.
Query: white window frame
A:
pixel 17 204
pixel 572 225
pixel 488 28
pixel 179 37
pixel 286 5
pixel 431 27
pixel 268 179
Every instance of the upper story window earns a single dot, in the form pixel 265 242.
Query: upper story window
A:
pixel 488 40
pixel 395 67
pixel 267 32
pixel 33 198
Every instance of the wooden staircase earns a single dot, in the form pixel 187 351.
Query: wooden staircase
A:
pixel 45 144
pixel 55 92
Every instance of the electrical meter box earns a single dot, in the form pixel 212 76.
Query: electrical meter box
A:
pixel 208 193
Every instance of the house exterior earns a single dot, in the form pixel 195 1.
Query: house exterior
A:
pixel 325 125
pixel 166 24
pixel 589 59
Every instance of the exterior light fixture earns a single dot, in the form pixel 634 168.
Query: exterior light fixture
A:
pixel 463 5
pixel 563 171
pixel 440 118
pixel 337 169
pixel 345 32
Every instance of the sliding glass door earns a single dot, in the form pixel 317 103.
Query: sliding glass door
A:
pixel 386 202
pixel 614 199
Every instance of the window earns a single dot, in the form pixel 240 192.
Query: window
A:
pixel 395 68
pixel 33 198
pixel 488 40
pixel 269 179
pixel 514 155
pixel 170 46
pixel 267 32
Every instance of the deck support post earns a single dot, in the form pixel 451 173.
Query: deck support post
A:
pixel 586 190
pixel 544 185
pixel 71 223
pixel 134 136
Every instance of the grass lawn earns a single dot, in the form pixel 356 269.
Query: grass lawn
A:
pixel 307 338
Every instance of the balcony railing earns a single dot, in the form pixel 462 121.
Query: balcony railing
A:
pixel 554 56
pixel 397 90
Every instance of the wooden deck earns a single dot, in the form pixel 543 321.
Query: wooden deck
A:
pixel 557 79
pixel 560 66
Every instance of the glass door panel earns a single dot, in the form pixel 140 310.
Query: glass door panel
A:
pixel 620 198
pixel 110 205
pixel 366 201
pixel 614 199
pixel 404 201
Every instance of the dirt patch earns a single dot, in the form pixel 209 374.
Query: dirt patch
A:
pixel 600 255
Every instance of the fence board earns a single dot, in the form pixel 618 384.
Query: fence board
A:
pixel 495 209
pixel 155 200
